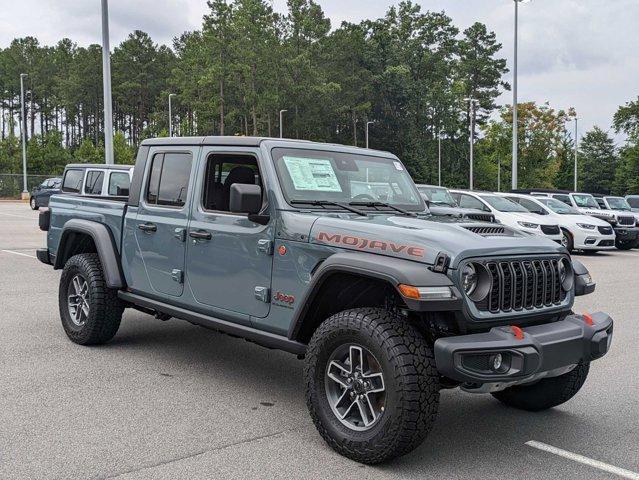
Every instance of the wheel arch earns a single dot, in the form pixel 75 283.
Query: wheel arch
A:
pixel 85 236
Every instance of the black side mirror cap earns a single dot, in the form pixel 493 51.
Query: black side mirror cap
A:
pixel 245 198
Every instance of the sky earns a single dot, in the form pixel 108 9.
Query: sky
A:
pixel 572 53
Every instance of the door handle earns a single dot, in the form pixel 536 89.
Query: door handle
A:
pixel 148 227
pixel 200 235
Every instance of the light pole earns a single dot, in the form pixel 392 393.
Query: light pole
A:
pixel 106 82
pixel 171 95
pixel 472 102
pixel 499 174
pixel 439 157
pixel 515 101
pixel 576 150
pixel 282 112
pixel 23 127
pixel 368 124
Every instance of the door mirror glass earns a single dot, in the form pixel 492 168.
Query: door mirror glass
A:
pixel 245 198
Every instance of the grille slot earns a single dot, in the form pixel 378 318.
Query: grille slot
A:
pixel 550 229
pixel 605 230
pixel 623 220
pixel 523 285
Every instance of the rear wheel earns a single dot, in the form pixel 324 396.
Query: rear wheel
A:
pixel 546 393
pixel 33 203
pixel 90 311
pixel 371 384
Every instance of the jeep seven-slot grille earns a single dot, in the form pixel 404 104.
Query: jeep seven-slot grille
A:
pixel 523 284
pixel 623 220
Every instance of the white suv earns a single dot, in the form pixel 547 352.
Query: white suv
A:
pixel 579 231
pixel 508 213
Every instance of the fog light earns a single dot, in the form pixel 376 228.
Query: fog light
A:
pixel 496 362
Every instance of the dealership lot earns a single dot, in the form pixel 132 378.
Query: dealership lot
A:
pixel 171 400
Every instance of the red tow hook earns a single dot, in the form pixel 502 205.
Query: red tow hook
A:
pixel 517 332
pixel 588 319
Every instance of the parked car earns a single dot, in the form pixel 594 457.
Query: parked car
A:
pixel 627 235
pixel 509 213
pixel 40 194
pixel 580 231
pixel 386 303
pixel 633 201
pixel 97 180
pixel 441 203
pixel 620 204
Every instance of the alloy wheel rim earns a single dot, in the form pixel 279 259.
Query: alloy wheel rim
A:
pixel 355 387
pixel 564 240
pixel 33 204
pixel 78 300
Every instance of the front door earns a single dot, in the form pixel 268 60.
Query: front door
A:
pixel 229 257
pixel 161 222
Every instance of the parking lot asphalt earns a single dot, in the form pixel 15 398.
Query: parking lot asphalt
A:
pixel 171 400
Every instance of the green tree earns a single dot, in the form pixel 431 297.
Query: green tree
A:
pixel 598 160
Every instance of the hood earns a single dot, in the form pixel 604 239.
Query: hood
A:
pixel 422 239
pixel 588 219
pixel 530 218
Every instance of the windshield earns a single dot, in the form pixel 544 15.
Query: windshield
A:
pixel 559 207
pixel 585 201
pixel 503 204
pixel 437 195
pixel 315 175
pixel 618 203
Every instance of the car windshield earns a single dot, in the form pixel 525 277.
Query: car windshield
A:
pixel 585 201
pixel 437 195
pixel 618 203
pixel 559 207
pixel 325 176
pixel 502 204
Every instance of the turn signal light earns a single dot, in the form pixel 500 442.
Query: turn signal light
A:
pixel 409 291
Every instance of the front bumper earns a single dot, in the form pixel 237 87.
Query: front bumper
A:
pixel 626 234
pixel 526 353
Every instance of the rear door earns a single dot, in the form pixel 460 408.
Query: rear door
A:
pixel 162 218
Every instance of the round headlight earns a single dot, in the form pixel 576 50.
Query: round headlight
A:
pixel 566 276
pixel 469 278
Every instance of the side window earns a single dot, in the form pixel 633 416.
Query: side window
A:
pixel 563 198
pixel 222 171
pixel 73 181
pixel 466 201
pixel 531 206
pixel 94 181
pixel 119 183
pixel 169 179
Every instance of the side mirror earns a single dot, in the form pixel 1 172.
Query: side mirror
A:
pixel 245 198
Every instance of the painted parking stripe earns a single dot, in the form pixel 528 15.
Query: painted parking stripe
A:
pixel 19 253
pixel 17 216
pixel 584 460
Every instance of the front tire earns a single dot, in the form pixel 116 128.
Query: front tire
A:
pixel 33 203
pixel 567 240
pixel 625 245
pixel 546 393
pixel 90 312
pixel 371 384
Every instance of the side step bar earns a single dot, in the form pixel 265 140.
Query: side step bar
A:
pixel 266 339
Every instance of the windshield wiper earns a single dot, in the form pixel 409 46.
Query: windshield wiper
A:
pixel 383 204
pixel 324 203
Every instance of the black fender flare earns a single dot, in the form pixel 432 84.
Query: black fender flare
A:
pixel 104 243
pixel 394 271
pixel 583 281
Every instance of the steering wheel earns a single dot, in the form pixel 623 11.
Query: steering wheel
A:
pixel 363 197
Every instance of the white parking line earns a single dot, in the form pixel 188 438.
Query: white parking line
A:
pixel 585 460
pixel 14 215
pixel 19 253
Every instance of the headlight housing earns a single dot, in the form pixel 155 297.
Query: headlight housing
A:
pixel 532 226
pixel 469 278
pixel 475 281
pixel 566 274
pixel 586 226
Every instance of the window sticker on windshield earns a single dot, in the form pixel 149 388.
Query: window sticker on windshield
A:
pixel 398 166
pixel 312 174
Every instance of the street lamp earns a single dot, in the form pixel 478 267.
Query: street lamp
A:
pixel 282 112
pixel 106 82
pixel 23 127
pixel 171 95
pixel 367 125
pixel 472 102
pixel 515 101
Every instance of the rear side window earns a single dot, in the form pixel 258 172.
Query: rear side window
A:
pixel 73 181
pixel 119 183
pixel 94 181
pixel 169 179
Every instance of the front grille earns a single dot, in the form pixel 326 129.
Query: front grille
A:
pixel 480 217
pixel 607 243
pixel 605 230
pixel 523 284
pixel 550 229
pixel 487 231
pixel 630 221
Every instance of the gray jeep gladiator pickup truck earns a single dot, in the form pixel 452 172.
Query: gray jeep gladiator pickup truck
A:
pixel 283 243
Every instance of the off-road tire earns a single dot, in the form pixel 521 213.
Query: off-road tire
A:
pixel 105 308
pixel 33 203
pixel 546 393
pixel 412 384
pixel 570 243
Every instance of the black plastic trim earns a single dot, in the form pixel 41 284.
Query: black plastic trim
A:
pixel 138 175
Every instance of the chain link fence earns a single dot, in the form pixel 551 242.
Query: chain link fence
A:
pixel 11 184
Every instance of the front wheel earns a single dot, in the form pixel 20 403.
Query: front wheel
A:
pixel 546 393
pixel 371 384
pixel 567 241
pixel 625 244
pixel 90 311
pixel 33 204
